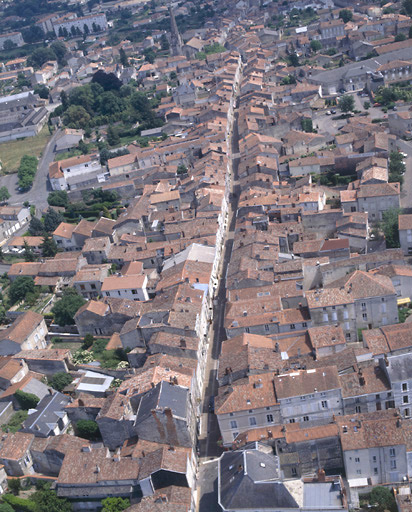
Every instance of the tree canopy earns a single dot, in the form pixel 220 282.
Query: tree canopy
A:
pixel 390 227
pixel 114 504
pixel 346 103
pixel 345 15
pixel 60 380
pixel 65 308
pixel 20 287
pixel 88 429
pixel 26 400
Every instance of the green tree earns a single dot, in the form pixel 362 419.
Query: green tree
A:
pixel 400 37
pixel 46 500
pixel 114 504
pixel 40 56
pixel 390 227
pixel 294 60
pixel 315 45
pixel 58 198
pixel 36 227
pixel 65 308
pixel 27 171
pixel 51 220
pixel 123 58
pixel 181 169
pixel 164 43
pixel 149 55
pixel 83 147
pixel 112 136
pixel 26 400
pixel 383 499
pixel 14 485
pixel 60 51
pixel 86 30
pixel 60 380
pixel 88 429
pixel 410 32
pixel 346 15
pixel 108 81
pixel 346 103
pixel 76 117
pixel 5 507
pixel 28 252
pixel 367 105
pixel 173 75
pixel 4 194
pixel 20 287
pixel 48 247
pixel 42 90
pixel 88 340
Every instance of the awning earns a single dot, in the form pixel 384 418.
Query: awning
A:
pixel 358 482
pixel 403 301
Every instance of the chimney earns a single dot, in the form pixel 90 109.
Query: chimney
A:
pixel 321 475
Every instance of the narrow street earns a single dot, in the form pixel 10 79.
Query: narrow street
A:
pixel 208 440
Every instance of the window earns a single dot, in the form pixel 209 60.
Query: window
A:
pixel 406 413
pixel 266 327
pixel 392 452
pixel 303 397
pixel 288 400
pixel 82 287
pixel 375 471
pixel 233 424
pixel 292 326
pixel 292 420
pixel 294 472
pixel 405 399
pixel 134 292
pixel 363 306
pixel 247 329
pixel 358 471
pixel 304 324
pixel 357 460
pixel 252 421
pixel 305 418
pixel 365 316
pixel 324 404
pixel 93 286
pixel 358 408
pixel 374 458
pixel 393 464
pixel 235 434
pixel 404 386
pixel 269 418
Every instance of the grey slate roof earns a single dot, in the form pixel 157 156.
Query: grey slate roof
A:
pixel 400 367
pixel 164 395
pixel 249 479
pixel 48 412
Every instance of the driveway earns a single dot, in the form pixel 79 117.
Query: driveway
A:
pixel 38 193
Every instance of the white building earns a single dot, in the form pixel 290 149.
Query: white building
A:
pixel 132 287
pixel 72 172
pixel 94 23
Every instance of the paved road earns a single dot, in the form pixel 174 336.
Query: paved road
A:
pixel 37 195
pixel 209 449
pixel 406 194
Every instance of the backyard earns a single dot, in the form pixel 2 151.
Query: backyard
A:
pixel 12 152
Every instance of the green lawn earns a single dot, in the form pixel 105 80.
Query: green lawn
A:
pixel 11 152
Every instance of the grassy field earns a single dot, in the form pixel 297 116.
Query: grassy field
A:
pixel 11 152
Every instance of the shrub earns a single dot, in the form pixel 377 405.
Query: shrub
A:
pixel 60 380
pixel 88 429
pixel 26 400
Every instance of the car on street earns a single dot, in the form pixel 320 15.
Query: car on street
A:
pixel 328 113
pixel 212 404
